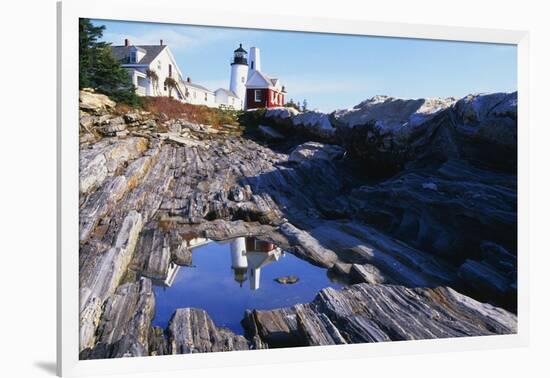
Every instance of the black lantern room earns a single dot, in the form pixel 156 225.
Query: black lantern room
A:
pixel 239 56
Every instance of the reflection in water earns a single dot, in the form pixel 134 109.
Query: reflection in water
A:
pixel 217 282
pixel 173 269
pixel 248 256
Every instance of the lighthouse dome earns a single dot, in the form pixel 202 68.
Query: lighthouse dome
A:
pixel 240 56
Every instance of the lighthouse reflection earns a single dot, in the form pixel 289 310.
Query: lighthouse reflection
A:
pixel 248 256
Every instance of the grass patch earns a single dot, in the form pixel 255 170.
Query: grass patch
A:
pixel 193 113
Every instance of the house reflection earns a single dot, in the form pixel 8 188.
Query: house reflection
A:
pixel 189 241
pixel 248 256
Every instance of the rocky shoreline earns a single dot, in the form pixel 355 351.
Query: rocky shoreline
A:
pixel 422 248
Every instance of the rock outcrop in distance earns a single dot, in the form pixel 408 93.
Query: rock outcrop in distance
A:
pixel 390 134
pixel 433 243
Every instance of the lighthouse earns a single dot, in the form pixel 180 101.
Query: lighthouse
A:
pixel 239 73
pixel 239 263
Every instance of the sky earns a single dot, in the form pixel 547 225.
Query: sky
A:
pixel 333 71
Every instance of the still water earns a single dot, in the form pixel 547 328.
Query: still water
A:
pixel 229 277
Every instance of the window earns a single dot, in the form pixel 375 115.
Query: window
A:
pixel 242 79
pixel 206 97
pixel 159 65
pixel 257 95
pixel 169 70
pixel 133 57
pixel 252 65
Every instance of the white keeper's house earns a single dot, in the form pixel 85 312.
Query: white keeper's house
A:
pixel 150 65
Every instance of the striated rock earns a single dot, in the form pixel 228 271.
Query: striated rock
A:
pixel 374 313
pixel 493 277
pixel 396 262
pixel 463 207
pixel 446 218
pixel 275 328
pixel 316 328
pixel 100 275
pixel 128 311
pixel 99 204
pixel 158 345
pixel 105 158
pixel 152 255
pixel 93 171
pixel 127 346
pixel 308 247
pixel 192 331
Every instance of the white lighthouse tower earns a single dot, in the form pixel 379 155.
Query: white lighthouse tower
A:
pixel 239 74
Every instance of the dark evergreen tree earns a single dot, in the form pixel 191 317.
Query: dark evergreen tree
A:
pixel 99 69
pixel 292 104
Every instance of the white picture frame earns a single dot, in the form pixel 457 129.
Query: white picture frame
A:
pixel 68 363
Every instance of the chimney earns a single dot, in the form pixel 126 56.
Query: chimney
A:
pixel 161 42
pixel 254 59
pixel 126 42
pixel 188 79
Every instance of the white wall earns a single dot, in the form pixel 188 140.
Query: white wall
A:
pixel 160 65
pixel 198 96
pixel 222 99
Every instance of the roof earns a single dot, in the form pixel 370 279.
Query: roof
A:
pixel 121 53
pixel 197 86
pixel 228 92
pixel 260 80
pixel 240 49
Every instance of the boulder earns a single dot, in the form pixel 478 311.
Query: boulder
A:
pixel 314 150
pixel 132 117
pixel 281 113
pixel 95 102
pixel 485 126
pixel 392 114
pixel 287 280
pixel 113 126
pixel 316 123
pixel 308 247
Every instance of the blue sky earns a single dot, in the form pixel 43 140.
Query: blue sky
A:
pixel 333 71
